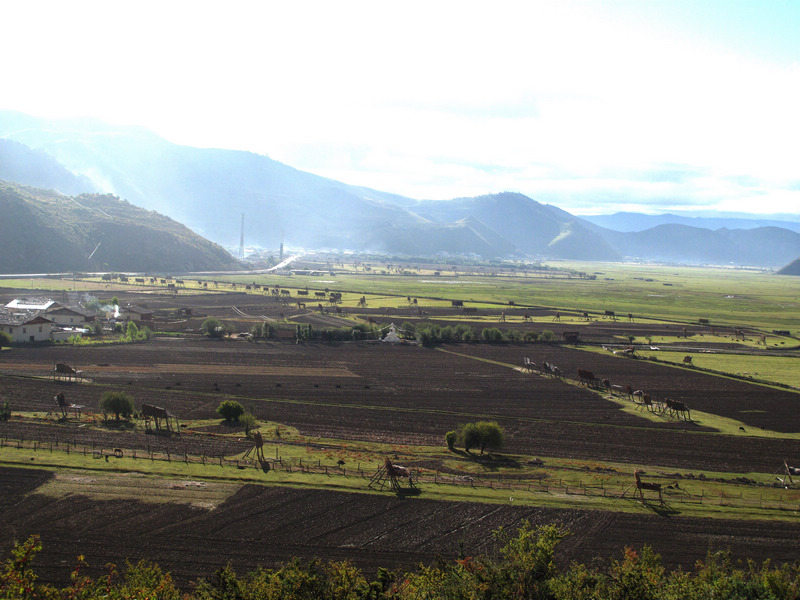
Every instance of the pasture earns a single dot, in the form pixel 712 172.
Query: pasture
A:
pixel 330 413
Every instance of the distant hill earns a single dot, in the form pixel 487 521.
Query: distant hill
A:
pixel 533 228
pixel 20 163
pixel 209 189
pixel 793 268
pixel 46 232
pixel 628 221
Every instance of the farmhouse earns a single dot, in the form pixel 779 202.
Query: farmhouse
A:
pixel 26 326
pixel 131 312
pixel 70 316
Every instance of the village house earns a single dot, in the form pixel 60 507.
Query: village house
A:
pixel 70 316
pixel 131 312
pixel 26 325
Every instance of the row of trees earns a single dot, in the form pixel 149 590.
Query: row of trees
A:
pixel 483 435
pixel 523 568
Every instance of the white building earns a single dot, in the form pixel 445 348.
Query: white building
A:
pixel 26 326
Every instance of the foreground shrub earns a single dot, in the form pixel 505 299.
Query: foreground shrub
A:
pixel 522 568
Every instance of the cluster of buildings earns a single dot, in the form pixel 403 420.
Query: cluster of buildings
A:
pixel 43 319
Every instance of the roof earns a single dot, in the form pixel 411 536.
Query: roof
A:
pixel 135 309
pixel 78 310
pixel 31 304
pixel 25 317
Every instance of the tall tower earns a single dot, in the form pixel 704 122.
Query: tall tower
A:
pixel 241 241
pixel 281 255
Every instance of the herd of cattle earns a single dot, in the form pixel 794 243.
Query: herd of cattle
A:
pixel 665 406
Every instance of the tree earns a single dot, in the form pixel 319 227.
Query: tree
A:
pixel 249 422
pixel 5 339
pixel 451 438
pixel 491 435
pixel 469 436
pixel 230 410
pixel 213 328
pixel 119 404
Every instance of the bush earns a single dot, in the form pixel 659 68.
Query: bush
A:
pixel 213 328
pixel 117 403
pixel 483 435
pixel 547 336
pixel 492 335
pixel 469 436
pixel 491 435
pixel 230 410
pixel 5 339
pixel 249 422
pixel 5 412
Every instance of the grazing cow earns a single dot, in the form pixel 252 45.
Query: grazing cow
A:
pixel 606 383
pixel 611 315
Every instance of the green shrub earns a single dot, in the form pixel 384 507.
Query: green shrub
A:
pixel 230 410
pixel 249 422
pixel 117 403
pixel 5 339
pixel 450 438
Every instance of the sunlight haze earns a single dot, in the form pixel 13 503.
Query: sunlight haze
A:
pixel 592 106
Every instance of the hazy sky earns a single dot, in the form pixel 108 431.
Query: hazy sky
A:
pixel 592 106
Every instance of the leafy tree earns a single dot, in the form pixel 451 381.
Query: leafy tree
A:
pixel 492 335
pixel 213 328
pixel 491 435
pixel 5 339
pixel 119 404
pixel 249 422
pixel 547 336
pixel 5 412
pixel 469 437
pixel 230 410
pixel 451 438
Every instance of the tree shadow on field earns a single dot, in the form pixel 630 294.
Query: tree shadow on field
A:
pixel 121 425
pixel 490 461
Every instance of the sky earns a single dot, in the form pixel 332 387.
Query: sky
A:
pixel 651 106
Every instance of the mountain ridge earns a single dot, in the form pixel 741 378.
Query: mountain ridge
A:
pixel 210 189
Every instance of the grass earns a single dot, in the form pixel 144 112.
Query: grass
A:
pixel 560 483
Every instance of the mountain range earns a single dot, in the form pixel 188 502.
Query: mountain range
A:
pixel 209 190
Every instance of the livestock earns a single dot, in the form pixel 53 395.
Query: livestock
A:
pixel 456 303
pixel 139 280
pixel 610 314
pixel 319 294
